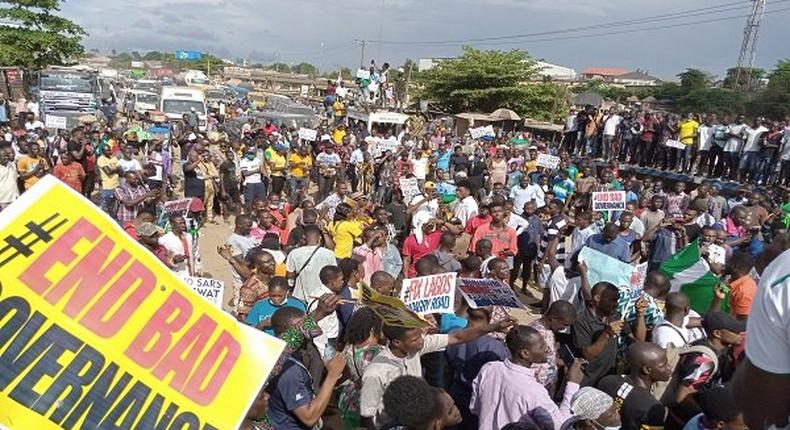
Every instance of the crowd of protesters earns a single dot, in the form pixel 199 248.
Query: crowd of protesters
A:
pixel 314 220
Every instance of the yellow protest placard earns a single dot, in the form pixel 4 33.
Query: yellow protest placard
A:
pixel 95 332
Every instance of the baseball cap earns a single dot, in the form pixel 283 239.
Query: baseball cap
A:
pixel 148 229
pixel 590 403
pixel 722 321
pixel 429 184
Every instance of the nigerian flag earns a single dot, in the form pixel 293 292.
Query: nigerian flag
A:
pixel 689 273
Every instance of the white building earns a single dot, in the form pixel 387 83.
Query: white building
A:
pixel 556 72
pixel 424 64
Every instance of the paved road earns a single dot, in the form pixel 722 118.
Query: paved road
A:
pixel 212 236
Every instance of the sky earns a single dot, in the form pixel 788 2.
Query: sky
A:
pixel 324 33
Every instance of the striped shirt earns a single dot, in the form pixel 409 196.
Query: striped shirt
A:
pixel 552 231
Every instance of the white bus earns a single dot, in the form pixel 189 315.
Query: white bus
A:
pixel 177 101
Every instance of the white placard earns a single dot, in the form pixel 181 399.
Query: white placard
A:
pixel 430 294
pixel 548 161
pixel 363 74
pixel 210 289
pixel 671 143
pixel 342 91
pixel 384 145
pixel 57 122
pixel 480 132
pixel 410 188
pixel 307 134
pixel 606 201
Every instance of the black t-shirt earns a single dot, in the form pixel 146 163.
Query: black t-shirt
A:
pixel 638 408
pixel 459 163
pixel 584 332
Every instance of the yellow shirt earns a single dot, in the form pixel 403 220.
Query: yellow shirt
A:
pixel 109 181
pixel 338 107
pixel 300 166
pixel 26 164
pixel 275 161
pixel 688 131
pixel 338 135
pixel 344 233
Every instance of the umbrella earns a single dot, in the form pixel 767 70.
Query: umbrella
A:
pixel 504 115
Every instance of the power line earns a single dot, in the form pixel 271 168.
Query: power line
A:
pixel 625 31
pixel 633 30
pixel 727 7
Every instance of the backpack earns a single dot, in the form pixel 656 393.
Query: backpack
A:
pixel 664 391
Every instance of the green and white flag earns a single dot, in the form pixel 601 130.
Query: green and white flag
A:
pixel 689 273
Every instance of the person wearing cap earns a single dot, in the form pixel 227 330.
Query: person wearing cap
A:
pixel 148 235
pixel 592 409
pixel 707 366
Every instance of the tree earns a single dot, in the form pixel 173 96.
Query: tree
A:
pixel 773 101
pixel 305 69
pixel 694 78
pixel 748 78
pixel 480 81
pixel 35 37
pixel 280 67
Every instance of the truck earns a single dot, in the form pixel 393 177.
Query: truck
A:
pixel 177 101
pixel 193 78
pixel 68 92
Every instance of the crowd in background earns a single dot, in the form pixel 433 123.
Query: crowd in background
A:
pixel 313 220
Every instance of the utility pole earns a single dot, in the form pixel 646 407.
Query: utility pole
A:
pixel 362 44
pixel 749 46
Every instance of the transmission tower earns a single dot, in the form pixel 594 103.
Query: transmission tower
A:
pixel 749 45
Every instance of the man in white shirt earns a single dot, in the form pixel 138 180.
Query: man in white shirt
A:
pixel 183 248
pixel 750 159
pixel 705 139
pixel 304 265
pixel 733 146
pixel 760 384
pixel 522 194
pixel 673 329
pixel 420 166
pixel 250 167
pixel 610 125
pixel 8 178
pixel 466 208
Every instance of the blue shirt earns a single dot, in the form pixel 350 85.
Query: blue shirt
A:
pixel 292 390
pixel 443 160
pixel 617 248
pixel 265 309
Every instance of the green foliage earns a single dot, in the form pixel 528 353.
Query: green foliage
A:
pixel 280 67
pixel 35 36
pixel 748 79
pixel 773 101
pixel 711 100
pixel 305 69
pixel 694 78
pixel 480 81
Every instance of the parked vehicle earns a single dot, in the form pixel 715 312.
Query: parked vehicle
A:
pixel 68 92
pixel 177 101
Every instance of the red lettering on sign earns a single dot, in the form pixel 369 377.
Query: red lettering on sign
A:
pixel 185 353
pixel 61 251
pixel 223 355
pixel 87 277
pixel 156 336
pixel 140 281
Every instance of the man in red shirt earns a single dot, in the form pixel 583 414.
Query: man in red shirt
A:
pixel 69 172
pixel 504 241
pixel 414 247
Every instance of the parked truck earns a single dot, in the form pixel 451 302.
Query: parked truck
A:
pixel 68 92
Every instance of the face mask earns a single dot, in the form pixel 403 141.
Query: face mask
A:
pixel 250 156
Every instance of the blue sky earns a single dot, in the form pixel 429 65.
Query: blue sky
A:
pixel 323 32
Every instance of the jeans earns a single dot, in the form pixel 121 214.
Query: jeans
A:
pixel 107 201
pixel 252 192
pixel 607 143
pixel 750 161
pixel 325 185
